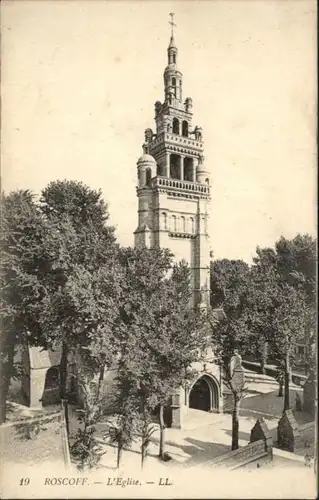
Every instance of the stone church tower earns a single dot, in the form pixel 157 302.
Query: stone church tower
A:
pixel 173 184
pixel 173 210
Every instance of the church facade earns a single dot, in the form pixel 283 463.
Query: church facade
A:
pixel 173 211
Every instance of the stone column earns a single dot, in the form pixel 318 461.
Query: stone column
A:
pixel 194 170
pixel 168 159
pixel 182 167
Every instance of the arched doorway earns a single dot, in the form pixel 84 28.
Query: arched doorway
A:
pixel 204 394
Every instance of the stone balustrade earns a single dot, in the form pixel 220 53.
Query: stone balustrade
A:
pixel 178 139
pixel 160 181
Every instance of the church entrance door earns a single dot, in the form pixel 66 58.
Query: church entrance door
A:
pixel 200 395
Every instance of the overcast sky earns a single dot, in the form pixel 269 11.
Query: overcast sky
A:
pixel 79 83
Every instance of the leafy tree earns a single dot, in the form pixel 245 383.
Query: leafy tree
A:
pixel 159 333
pixel 279 309
pixel 80 302
pixel 179 339
pixel 23 261
pixel 229 286
pixel 296 264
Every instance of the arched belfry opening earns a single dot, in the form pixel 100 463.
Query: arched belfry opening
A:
pixel 204 394
pixel 185 128
pixel 189 169
pixel 175 166
pixel 175 126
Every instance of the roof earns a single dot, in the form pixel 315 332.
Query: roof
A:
pixel 146 158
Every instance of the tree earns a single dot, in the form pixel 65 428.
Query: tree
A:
pixel 126 427
pixel 80 301
pixel 260 307
pixel 159 334
pixel 180 337
pixel 23 261
pixel 144 271
pixel 296 263
pixel 229 286
pixel 280 306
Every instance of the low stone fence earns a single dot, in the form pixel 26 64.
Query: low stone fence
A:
pixel 236 459
pixel 258 451
pixel 291 436
pixel 29 427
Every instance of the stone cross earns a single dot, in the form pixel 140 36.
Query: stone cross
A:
pixel 171 22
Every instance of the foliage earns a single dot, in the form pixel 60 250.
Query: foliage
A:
pixel 160 335
pixel 85 448
pixel 81 285
pixel 281 304
pixel 282 298
pixel 229 284
pixel 23 262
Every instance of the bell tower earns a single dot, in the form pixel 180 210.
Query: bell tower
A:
pixel 173 184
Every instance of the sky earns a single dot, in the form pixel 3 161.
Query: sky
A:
pixel 79 83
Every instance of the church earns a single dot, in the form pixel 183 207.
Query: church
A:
pixel 173 191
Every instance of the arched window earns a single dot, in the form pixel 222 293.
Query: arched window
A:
pixel 207 181
pixel 192 225
pixel 174 58
pixel 164 220
pixel 174 223
pixel 175 126
pixel 185 128
pixel 183 225
pixel 148 176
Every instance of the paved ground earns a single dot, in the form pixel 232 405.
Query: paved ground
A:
pixel 207 435
pixel 203 437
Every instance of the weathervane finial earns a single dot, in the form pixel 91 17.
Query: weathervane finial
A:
pixel 171 22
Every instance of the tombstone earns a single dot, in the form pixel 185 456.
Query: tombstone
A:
pixel 288 433
pixel 261 431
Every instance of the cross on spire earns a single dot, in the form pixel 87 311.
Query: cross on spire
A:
pixel 171 22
